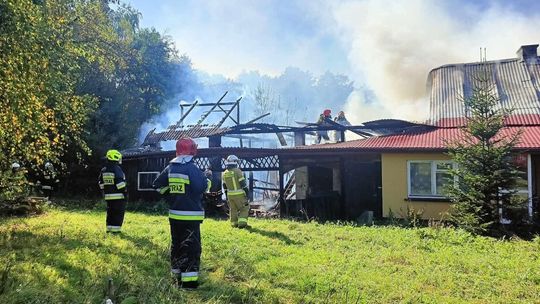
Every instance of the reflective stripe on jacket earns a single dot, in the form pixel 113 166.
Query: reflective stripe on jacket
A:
pixel 234 181
pixel 112 181
pixel 183 184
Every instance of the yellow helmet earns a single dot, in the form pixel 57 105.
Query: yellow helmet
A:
pixel 114 155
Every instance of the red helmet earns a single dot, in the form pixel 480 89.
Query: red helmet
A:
pixel 327 112
pixel 186 146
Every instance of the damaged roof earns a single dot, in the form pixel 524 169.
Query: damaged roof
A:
pixel 175 134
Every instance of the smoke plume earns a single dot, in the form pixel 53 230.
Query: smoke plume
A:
pixel 394 44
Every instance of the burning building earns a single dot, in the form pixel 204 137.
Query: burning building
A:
pixel 394 166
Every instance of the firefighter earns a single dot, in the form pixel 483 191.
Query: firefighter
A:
pixel 49 180
pixel 208 173
pixel 183 185
pixel 15 167
pixel 323 134
pixel 342 120
pixel 112 181
pixel 236 191
pixel 18 180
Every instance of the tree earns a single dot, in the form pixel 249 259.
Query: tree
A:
pixel 76 78
pixel 141 76
pixel 485 175
pixel 41 116
pixel 265 102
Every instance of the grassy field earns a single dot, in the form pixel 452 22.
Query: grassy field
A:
pixel 66 257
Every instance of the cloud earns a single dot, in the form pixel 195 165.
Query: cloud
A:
pixel 393 45
pixel 229 37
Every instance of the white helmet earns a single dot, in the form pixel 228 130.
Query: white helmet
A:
pixel 15 166
pixel 48 166
pixel 232 160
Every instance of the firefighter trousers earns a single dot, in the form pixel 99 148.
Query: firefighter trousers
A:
pixel 115 214
pixel 186 251
pixel 239 210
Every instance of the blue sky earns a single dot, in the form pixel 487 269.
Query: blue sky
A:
pixel 387 46
pixel 230 36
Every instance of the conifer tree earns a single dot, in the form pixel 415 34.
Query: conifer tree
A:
pixel 485 175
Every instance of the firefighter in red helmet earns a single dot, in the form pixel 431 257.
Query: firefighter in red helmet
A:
pixel 183 185
pixel 326 115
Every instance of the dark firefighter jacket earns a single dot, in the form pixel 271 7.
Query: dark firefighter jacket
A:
pixel 49 180
pixel 183 184
pixel 113 182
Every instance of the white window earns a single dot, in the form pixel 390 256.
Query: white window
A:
pixel 428 178
pixel 145 180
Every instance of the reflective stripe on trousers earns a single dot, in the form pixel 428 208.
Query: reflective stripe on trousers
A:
pixel 236 192
pixel 189 276
pixel 185 276
pixel 114 196
pixel 114 228
pixel 186 215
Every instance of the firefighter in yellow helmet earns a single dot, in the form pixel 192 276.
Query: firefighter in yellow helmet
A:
pixel 236 190
pixel 113 183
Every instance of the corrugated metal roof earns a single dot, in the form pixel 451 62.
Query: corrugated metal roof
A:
pixel 514 81
pixel 427 140
pixel 175 134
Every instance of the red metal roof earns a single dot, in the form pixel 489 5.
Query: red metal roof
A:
pixel 428 140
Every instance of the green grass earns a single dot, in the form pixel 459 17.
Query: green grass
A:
pixel 66 257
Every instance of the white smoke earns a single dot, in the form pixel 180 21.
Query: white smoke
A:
pixel 394 44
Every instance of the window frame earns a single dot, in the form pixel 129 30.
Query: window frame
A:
pixel 139 180
pixel 433 178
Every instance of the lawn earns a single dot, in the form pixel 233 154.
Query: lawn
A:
pixel 66 257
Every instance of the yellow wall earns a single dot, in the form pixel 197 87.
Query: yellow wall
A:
pixel 394 185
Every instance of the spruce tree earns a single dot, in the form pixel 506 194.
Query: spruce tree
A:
pixel 485 175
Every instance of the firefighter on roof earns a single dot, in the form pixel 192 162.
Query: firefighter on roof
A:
pixel 113 183
pixel 236 190
pixel 342 120
pixel 183 185
pixel 323 134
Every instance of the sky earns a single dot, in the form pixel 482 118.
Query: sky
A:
pixel 386 46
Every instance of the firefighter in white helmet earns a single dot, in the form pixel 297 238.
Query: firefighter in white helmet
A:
pixel 15 167
pixel 49 180
pixel 236 190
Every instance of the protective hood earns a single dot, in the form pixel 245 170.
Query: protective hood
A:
pixel 182 159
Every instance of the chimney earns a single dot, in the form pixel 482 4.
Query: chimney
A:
pixel 527 52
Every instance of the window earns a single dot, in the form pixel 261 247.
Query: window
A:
pixel 145 180
pixel 428 178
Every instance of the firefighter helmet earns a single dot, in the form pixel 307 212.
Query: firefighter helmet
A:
pixel 327 112
pixel 15 166
pixel 48 166
pixel 232 160
pixel 114 155
pixel 186 146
